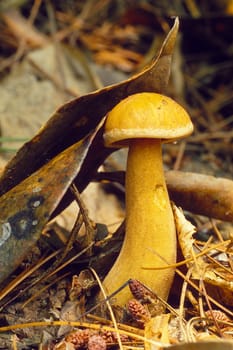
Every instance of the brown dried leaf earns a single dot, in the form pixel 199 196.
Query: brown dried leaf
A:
pixel 26 208
pixel 156 329
pixel 185 231
pixel 216 277
pixel 77 118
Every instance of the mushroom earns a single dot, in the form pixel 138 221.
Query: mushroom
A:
pixel 143 122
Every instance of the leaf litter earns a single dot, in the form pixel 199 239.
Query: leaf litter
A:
pixel 210 267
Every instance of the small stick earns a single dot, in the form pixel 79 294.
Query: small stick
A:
pixel 201 194
pixel 89 224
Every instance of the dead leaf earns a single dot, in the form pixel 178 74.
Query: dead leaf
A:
pixel 77 118
pixel 26 208
pixel 185 231
pixel 157 329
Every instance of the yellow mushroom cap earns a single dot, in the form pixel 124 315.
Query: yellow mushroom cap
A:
pixel 146 115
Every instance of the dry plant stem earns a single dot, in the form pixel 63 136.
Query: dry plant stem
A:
pixel 23 29
pixel 149 224
pixel 109 308
pixel 89 224
pixel 72 237
pixel 182 303
pixel 85 325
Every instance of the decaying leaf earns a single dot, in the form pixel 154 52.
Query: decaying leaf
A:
pixel 157 329
pixel 214 271
pixel 26 208
pixel 185 231
pixel 77 118
pixel 219 280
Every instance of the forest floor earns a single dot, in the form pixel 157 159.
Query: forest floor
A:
pixel 55 51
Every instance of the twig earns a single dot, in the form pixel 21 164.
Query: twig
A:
pixel 73 235
pixel 24 31
pixel 182 301
pixel 212 300
pixel 211 135
pixel 201 194
pixel 90 226
pixel 179 156
pixel 109 308
pixel 83 325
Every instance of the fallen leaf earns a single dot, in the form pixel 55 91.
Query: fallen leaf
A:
pixel 156 329
pixel 27 207
pixel 77 118
pixel 185 231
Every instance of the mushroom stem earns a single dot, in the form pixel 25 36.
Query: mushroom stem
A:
pixel 150 238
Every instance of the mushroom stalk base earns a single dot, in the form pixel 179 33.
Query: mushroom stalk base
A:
pixel 150 238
